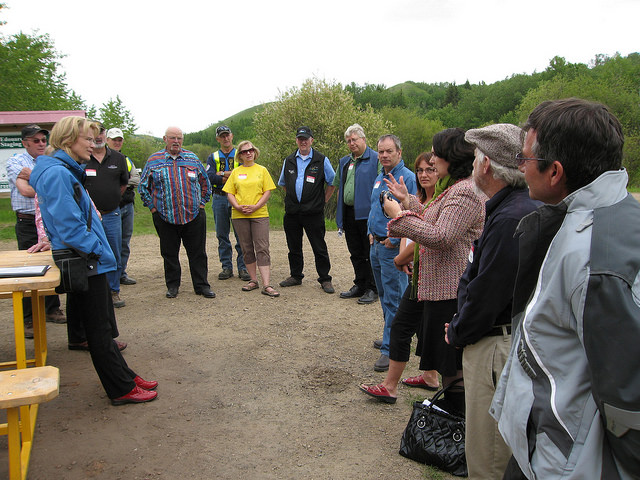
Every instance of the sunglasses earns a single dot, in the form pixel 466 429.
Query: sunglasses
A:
pixel 247 151
pixel 384 195
pixel 38 140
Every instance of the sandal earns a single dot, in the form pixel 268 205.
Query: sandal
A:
pixel 252 285
pixel 272 293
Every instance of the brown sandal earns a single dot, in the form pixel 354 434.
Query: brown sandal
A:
pixel 252 285
pixel 272 293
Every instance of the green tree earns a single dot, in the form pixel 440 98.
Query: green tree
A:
pixel 327 109
pixel 114 114
pixel 415 132
pixel 30 75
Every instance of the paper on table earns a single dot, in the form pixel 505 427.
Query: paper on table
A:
pixel 27 271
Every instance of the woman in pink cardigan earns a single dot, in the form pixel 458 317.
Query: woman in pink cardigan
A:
pixel 445 230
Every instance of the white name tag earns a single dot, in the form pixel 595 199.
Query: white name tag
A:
pixel 377 184
pixel 351 166
pixel 242 176
pixel 192 175
pixel 311 179
pixel 90 172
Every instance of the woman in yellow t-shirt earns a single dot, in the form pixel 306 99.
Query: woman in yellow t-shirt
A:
pixel 248 189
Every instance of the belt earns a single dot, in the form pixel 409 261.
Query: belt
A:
pixel 219 192
pixel 499 330
pixel 28 216
pixel 379 239
pixel 105 212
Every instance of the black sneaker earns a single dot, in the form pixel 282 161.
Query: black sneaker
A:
pixel 127 280
pixel 225 274
pixel 244 275
pixel 290 282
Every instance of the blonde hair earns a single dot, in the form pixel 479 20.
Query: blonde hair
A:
pixel 67 130
pixel 247 142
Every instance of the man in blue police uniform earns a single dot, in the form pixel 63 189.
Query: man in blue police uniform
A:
pixel 304 176
pixel 219 166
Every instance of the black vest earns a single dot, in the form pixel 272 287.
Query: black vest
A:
pixel 312 200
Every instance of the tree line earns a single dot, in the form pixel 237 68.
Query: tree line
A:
pixel 32 79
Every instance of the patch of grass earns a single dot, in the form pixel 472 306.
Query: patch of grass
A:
pixel 7 220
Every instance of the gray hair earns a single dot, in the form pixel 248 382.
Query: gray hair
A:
pixel 392 137
pixel 354 129
pixel 511 176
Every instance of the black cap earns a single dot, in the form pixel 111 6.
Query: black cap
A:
pixel 304 132
pixel 31 130
pixel 222 129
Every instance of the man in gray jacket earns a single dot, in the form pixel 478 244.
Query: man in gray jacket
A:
pixel 568 400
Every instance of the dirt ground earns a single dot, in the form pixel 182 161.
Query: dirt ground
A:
pixel 250 387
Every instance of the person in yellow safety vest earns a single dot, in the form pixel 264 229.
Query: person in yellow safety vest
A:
pixel 219 166
pixel 115 139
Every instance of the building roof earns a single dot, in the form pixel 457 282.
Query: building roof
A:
pixel 44 117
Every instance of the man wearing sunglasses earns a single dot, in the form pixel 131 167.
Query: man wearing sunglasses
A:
pixel 568 399
pixel 19 166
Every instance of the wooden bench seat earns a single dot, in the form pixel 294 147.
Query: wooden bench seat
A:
pixel 21 391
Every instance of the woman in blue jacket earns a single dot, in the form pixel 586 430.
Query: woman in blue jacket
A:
pixel 66 211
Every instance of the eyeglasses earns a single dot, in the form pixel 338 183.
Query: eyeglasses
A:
pixel 38 140
pixel 247 151
pixel 521 159
pixel 90 140
pixel 426 170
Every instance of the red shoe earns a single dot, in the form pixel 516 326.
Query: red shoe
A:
pixel 419 382
pixel 378 391
pixel 137 395
pixel 146 384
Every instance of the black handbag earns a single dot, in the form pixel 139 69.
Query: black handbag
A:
pixel 75 269
pixel 75 266
pixel 435 437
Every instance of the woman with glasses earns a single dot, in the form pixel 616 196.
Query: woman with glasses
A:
pixel 72 221
pixel 444 230
pixel 248 189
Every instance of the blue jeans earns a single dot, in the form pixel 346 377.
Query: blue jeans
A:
pixel 113 229
pixel 391 284
pixel 126 216
pixel 222 218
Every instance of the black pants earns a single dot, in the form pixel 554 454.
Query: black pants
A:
pixel 313 226
pixel 95 311
pixel 194 237
pixel 357 237
pixel 27 236
pixel 406 323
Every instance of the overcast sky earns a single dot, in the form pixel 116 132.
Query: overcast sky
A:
pixel 193 63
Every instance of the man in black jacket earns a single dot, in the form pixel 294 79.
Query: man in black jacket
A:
pixel 307 178
pixel 482 325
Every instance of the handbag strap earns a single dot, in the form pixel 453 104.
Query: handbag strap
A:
pixel 77 195
pixel 442 391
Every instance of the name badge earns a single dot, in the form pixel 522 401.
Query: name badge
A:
pixel 90 172
pixel 377 184
pixel 242 176
pixel 351 165
pixel 471 255
pixel 191 174
pixel 311 179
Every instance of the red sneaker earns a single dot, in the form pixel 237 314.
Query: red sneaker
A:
pixel 146 384
pixel 137 395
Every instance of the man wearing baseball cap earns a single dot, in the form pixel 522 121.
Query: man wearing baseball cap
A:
pixel 307 178
pixel 19 166
pixel 482 325
pixel 115 139
pixel 219 166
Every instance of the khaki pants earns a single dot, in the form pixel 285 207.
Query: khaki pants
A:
pixel 482 363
